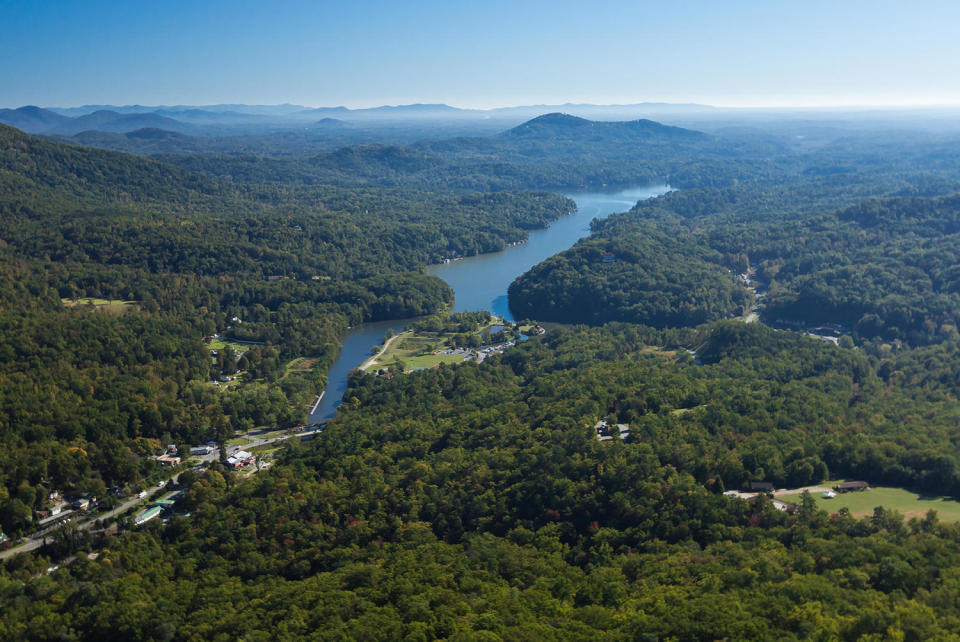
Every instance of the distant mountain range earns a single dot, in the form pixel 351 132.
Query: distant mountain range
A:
pixel 188 119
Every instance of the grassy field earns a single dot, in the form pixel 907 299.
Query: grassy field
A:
pixel 102 305
pixel 430 360
pixel 300 364
pixel 414 351
pixel 908 503
pixel 239 441
pixel 220 344
pixel 266 449
pixel 417 350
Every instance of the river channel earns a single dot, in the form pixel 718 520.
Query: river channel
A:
pixel 481 282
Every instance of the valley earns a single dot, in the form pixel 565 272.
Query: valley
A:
pixel 137 289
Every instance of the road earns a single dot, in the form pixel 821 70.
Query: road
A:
pixel 35 540
pixel 372 360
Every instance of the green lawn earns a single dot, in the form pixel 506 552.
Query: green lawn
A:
pixel 908 503
pixel 239 441
pixel 220 344
pixel 430 360
pixel 266 449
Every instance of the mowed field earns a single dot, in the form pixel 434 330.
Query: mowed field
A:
pixel 908 503
pixel 414 351
pixel 102 305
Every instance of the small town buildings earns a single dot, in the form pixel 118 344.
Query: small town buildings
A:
pixel 200 450
pixel 53 519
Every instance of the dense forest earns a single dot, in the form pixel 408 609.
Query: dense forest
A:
pixel 873 254
pixel 84 389
pixel 476 502
pixel 553 151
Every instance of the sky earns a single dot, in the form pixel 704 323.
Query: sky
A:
pixel 479 54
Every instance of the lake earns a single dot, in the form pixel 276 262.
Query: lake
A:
pixel 481 282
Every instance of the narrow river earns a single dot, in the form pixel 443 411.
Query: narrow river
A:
pixel 481 282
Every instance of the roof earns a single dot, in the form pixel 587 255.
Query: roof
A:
pixel 148 514
pixel 755 485
pixel 239 457
pixel 852 484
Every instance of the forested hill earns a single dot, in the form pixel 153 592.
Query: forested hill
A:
pixel 564 127
pixel 114 267
pixel 32 168
pixel 848 250
pixel 554 151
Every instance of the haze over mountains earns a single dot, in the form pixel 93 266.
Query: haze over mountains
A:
pixel 289 130
pixel 184 118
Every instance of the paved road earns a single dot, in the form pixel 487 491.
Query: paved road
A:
pixel 36 540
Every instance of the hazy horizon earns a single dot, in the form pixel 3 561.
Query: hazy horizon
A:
pixel 559 103
pixel 747 54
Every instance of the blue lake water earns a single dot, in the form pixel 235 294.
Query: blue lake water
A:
pixel 481 282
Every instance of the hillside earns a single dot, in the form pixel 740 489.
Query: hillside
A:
pixel 42 121
pixel 554 151
pixel 559 127
pixel 288 270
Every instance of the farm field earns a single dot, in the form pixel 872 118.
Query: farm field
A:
pixel 908 503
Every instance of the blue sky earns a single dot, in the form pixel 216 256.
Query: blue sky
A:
pixel 483 53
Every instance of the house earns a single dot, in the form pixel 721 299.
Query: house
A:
pixel 59 507
pixel 762 487
pixel 200 450
pixel 147 515
pixel 54 519
pixel 786 507
pixel 81 503
pixel 851 486
pixel 240 459
pixel 168 460
pixel 608 257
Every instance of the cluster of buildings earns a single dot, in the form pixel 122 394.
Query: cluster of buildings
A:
pixel 757 488
pixel 159 507
pixel 60 510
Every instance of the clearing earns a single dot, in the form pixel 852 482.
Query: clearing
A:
pixel 110 306
pixel 861 503
pixel 422 350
